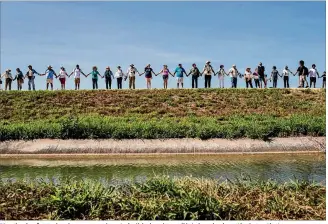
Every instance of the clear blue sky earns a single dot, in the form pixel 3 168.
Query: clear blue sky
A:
pixel 121 33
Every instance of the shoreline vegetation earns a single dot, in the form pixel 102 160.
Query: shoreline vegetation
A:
pixel 162 114
pixel 163 198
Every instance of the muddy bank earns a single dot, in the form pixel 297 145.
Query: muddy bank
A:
pixel 110 146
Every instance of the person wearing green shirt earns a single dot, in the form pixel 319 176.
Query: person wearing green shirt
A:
pixel 94 76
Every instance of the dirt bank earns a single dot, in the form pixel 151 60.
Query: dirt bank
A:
pixel 51 146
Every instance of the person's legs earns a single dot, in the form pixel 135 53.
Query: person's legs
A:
pixel 192 82
pixel 134 82
pixel 130 82
pixel 209 81
pixel 96 82
pixel 246 81
pixel 235 82
pixel 232 82
pixel 52 85
pixel 250 83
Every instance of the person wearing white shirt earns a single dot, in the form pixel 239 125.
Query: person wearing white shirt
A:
pixel 77 76
pixel 233 72
pixel 285 74
pixel 131 73
pixel 119 76
pixel 221 73
pixel 62 77
pixel 248 78
pixel 313 73
pixel 8 79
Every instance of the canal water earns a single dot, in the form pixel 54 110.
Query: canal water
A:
pixel 117 169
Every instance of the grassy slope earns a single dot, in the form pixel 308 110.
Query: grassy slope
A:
pixel 203 113
pixel 163 198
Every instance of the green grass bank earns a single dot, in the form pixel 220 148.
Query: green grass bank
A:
pixel 153 114
pixel 163 198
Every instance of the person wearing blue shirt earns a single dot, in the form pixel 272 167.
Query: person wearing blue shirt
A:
pixel 50 73
pixel 179 74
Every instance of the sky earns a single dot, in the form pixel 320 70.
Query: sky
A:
pixel 121 33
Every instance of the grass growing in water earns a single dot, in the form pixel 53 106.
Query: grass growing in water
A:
pixel 163 198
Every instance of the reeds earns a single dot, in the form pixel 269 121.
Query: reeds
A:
pixel 163 198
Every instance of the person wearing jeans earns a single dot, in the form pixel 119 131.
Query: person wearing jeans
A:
pixel 108 78
pixel 274 76
pixel 207 71
pixel 94 75
pixel 194 72
pixel 30 75
pixel 119 77
pixel 248 78
pixel 233 72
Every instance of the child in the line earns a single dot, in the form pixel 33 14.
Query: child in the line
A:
pixel 323 79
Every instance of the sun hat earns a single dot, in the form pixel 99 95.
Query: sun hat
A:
pixel 107 67
pixel 8 70
pixel 132 65
pixel 207 62
pixel 233 65
pixel 49 66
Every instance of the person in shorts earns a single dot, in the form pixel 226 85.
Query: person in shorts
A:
pixel 50 74
pixel 20 79
pixel 62 77
pixel 179 71
pixel 313 73
pixel 165 73
pixel 77 76
pixel 148 75
pixel 302 72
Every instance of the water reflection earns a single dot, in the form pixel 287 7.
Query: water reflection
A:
pixel 119 169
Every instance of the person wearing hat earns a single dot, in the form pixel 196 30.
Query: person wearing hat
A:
pixel 148 75
pixel 8 79
pixel 165 73
pixel 20 79
pixel 50 73
pixel 30 75
pixel 77 76
pixel 119 75
pixel 285 73
pixel 94 75
pixel 234 73
pixel 62 77
pixel 195 73
pixel 260 71
pixel 248 77
pixel 108 77
pixel 221 73
pixel 313 73
pixel 179 71
pixel 131 73
pixel 207 71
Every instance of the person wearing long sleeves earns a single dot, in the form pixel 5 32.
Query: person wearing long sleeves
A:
pixel 108 78
pixel 8 79
pixel 20 79
pixel 207 71
pixel 94 76
pixel 131 74
pixel 30 75
pixel 119 75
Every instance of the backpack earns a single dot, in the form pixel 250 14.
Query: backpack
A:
pixel 306 71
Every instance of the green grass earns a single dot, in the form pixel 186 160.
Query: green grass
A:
pixel 100 127
pixel 163 198
pixel 126 114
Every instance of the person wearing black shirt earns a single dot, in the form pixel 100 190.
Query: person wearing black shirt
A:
pixel 323 79
pixel 260 71
pixel 302 73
